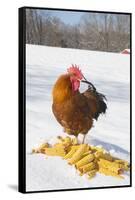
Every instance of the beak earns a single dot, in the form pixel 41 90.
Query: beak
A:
pixel 79 79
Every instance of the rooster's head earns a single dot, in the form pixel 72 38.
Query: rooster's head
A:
pixel 75 76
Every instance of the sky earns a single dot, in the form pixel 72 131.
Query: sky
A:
pixel 67 17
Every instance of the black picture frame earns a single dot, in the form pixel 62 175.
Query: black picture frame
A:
pixel 22 100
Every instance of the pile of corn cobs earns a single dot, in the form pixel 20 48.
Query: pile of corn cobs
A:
pixel 87 159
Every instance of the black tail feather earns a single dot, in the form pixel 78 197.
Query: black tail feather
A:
pixel 101 99
pixel 102 106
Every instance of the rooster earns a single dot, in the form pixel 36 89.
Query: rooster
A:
pixel 76 111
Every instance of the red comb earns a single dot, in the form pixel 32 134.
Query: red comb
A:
pixel 75 70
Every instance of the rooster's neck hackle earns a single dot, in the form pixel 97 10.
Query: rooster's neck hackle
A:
pixel 62 89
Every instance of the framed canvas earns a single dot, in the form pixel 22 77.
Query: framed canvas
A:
pixel 74 99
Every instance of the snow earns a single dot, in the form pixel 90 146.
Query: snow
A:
pixel 110 73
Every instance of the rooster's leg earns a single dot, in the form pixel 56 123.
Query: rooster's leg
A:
pixel 77 139
pixel 83 139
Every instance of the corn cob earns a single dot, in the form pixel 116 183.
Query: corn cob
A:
pixel 70 153
pixel 106 156
pixel 108 172
pixel 41 148
pixel 58 145
pixel 55 151
pixel 61 139
pixel 99 149
pixel 85 160
pixel 112 166
pixel 88 167
pixel 67 141
pixel 78 154
pixel 91 173
pixel 86 153
pixel 123 164
pixel 74 141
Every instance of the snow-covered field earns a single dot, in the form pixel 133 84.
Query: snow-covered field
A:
pixel 110 74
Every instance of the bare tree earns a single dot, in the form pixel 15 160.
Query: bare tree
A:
pixel 106 32
pixel 95 31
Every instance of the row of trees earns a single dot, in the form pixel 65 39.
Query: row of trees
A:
pixel 102 32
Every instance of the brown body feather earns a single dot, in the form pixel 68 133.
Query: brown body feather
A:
pixel 74 110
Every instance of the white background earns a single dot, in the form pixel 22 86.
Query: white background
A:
pixel 9 97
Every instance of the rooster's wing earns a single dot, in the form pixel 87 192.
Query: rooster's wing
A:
pixel 74 114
